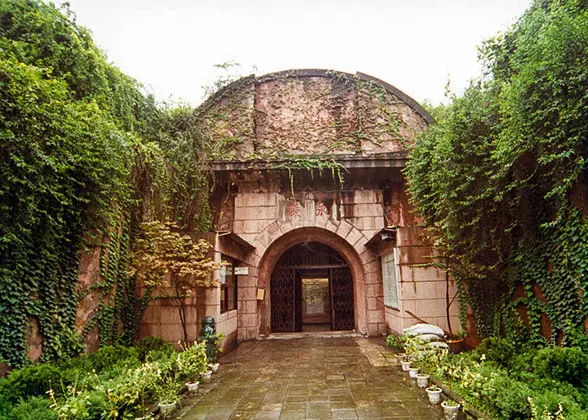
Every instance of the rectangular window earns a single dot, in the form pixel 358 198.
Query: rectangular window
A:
pixel 390 281
pixel 228 290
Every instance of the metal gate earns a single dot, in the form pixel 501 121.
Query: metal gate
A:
pixel 342 299
pixel 286 287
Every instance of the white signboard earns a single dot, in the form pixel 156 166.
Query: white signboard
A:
pixel 241 271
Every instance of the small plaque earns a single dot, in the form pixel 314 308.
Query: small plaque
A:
pixel 241 271
pixel 260 294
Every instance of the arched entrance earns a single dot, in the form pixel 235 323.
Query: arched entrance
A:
pixel 311 289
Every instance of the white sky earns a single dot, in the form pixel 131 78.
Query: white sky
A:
pixel 171 46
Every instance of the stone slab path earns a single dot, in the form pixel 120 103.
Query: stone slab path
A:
pixel 309 378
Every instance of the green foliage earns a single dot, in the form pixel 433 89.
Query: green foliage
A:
pixel 396 342
pixel 192 362
pixel 108 357
pixel 34 408
pixel 501 178
pixel 497 350
pixel 109 384
pixel 154 343
pixel 504 392
pixel 85 157
pixel 32 381
pixel 562 364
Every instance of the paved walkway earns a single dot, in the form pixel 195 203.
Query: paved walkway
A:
pixel 309 378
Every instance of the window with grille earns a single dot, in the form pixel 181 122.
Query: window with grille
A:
pixel 228 289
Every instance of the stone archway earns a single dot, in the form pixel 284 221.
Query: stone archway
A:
pixel 333 238
pixel 311 290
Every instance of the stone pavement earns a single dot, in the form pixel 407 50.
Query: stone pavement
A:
pixel 314 377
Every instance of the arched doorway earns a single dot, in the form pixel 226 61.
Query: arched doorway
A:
pixel 311 289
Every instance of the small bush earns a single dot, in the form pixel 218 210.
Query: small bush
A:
pixel 108 357
pixel 148 344
pixel 497 350
pixel 35 408
pixel 562 364
pixel 32 381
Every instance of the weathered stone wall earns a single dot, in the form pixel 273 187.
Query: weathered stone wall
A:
pixel 309 112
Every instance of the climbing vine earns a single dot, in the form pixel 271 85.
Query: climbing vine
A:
pixel 502 179
pixel 85 157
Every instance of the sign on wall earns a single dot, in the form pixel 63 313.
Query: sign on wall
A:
pixel 390 281
pixel 241 271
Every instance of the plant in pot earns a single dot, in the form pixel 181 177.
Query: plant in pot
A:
pixel 405 365
pixel 191 364
pixel 217 341
pixel 455 342
pixel 434 394
pixel 167 397
pixel 413 371
pixel 422 380
pixel 396 343
pixel 450 409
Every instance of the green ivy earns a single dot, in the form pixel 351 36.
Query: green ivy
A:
pixel 84 157
pixel 501 178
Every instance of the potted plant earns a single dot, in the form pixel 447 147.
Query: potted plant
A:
pixel 217 340
pixel 405 365
pixel 191 364
pixel 396 343
pixel 206 377
pixel 413 371
pixel 167 397
pixel 455 342
pixel 434 393
pixel 422 380
pixel 450 409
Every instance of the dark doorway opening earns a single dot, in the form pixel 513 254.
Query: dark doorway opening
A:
pixel 311 290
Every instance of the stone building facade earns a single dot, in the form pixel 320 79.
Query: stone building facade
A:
pixel 312 218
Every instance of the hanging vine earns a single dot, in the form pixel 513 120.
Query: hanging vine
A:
pixel 502 178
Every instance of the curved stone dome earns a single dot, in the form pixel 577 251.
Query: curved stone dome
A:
pixel 309 112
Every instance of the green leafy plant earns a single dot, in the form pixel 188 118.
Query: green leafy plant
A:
pixel 192 362
pixel 562 364
pixel 396 342
pixel 162 251
pixel 500 180
pixel 154 343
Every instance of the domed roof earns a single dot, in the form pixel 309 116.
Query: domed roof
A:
pixel 309 112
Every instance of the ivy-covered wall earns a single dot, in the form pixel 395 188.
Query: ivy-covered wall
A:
pixel 502 178
pixel 85 156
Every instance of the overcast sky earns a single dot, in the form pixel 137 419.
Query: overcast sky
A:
pixel 171 46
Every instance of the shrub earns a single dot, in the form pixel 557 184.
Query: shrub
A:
pixel 148 344
pixel 34 408
pixel 497 350
pixel 562 364
pixel 108 357
pixel 32 381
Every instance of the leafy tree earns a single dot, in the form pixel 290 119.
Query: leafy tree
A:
pixel 502 177
pixel 164 258
pixel 85 157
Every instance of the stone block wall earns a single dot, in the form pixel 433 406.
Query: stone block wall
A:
pixel 422 288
